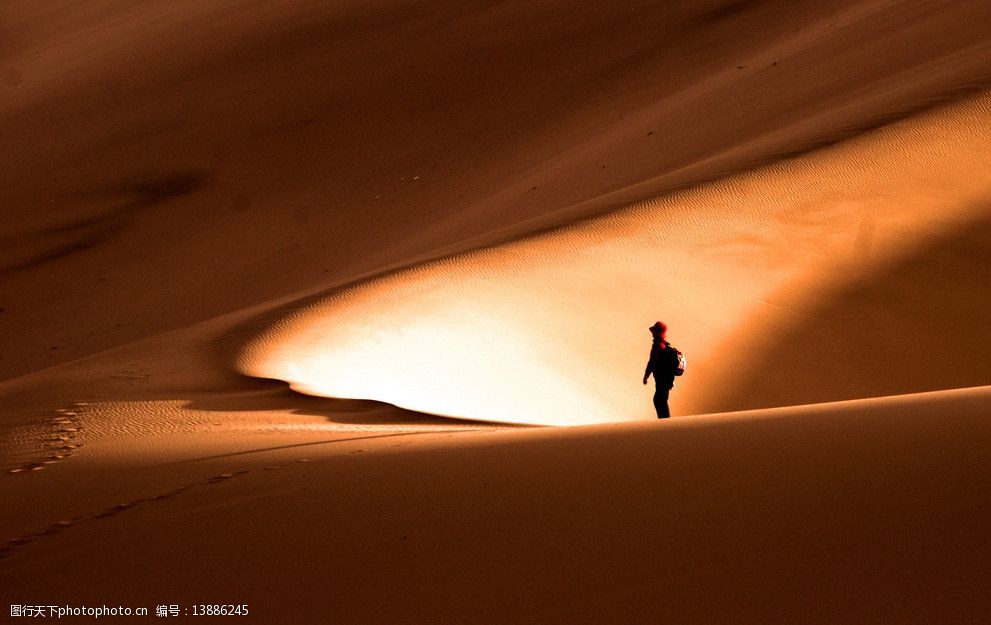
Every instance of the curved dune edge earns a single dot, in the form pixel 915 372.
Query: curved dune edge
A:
pixel 552 329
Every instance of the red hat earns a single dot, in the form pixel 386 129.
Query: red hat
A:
pixel 658 327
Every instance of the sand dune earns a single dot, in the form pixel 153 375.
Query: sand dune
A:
pixel 868 511
pixel 475 210
pixel 324 142
pixel 552 330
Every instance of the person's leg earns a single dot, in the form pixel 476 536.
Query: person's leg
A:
pixel 661 403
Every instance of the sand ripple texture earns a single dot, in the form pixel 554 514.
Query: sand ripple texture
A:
pixel 35 445
pixel 165 430
pixel 553 329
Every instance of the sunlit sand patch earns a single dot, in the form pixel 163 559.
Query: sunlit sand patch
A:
pixel 553 329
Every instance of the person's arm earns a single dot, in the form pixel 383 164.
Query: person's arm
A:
pixel 650 368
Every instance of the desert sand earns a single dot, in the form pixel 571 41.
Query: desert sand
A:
pixel 339 310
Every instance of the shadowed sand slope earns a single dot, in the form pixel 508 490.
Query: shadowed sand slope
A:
pixel 163 162
pixel 919 323
pixel 889 230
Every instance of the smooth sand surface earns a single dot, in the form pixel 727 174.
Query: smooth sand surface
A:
pixel 864 511
pixel 282 285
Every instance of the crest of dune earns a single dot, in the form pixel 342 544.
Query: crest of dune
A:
pixel 552 329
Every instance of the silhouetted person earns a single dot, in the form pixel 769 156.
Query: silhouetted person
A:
pixel 664 363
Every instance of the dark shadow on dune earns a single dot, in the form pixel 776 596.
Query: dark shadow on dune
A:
pixel 724 10
pixel 155 190
pixel 88 231
pixel 256 394
pixel 56 252
pixel 226 390
pixel 920 324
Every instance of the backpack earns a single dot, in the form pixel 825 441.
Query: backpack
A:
pixel 682 361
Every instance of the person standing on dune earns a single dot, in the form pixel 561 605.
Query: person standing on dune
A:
pixel 665 363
